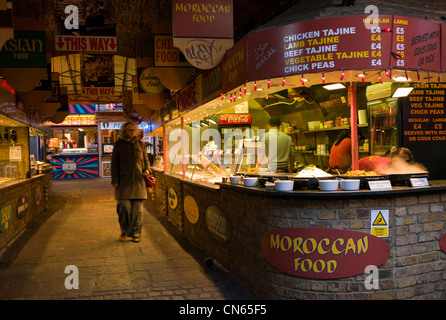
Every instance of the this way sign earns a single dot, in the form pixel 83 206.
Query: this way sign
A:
pixel 86 43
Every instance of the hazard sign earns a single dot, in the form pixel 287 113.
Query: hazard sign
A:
pixel 379 223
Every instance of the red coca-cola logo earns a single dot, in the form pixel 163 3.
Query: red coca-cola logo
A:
pixel 226 119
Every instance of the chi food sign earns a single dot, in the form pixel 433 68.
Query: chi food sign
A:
pixel 321 253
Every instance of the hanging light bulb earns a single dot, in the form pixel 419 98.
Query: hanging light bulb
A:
pixel 380 79
pixel 428 76
pixel 363 76
pixel 244 89
pixel 390 72
pixel 223 96
pixel 302 80
pixel 323 78
pixel 230 98
pixel 438 77
pixel 240 94
pixel 255 85
pixel 283 81
pixel 269 83
pixel 405 72
pixel 418 74
pixel 342 74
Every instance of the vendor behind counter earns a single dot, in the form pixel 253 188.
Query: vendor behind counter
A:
pixel 283 158
pixel 341 153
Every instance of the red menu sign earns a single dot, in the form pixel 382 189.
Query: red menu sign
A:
pixel 320 46
pixel 416 44
pixel 234 119
pixel 321 253
pixel 443 47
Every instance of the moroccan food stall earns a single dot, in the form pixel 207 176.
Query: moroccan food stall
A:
pixel 316 238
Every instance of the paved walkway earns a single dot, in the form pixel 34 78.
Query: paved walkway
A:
pixel 80 229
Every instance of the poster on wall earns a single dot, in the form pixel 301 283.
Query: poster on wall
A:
pixel 22 207
pixel 218 224
pixel 423 127
pixel 97 74
pixel 87 26
pixel 6 211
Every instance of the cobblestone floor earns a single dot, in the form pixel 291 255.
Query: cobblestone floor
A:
pixel 80 229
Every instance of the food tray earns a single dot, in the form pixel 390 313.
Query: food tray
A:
pixel 363 184
pixel 403 179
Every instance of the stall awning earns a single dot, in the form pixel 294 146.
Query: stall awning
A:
pixel 349 49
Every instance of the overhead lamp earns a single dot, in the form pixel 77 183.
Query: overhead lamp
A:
pixel 400 78
pixel 402 92
pixel 212 121
pixel 334 86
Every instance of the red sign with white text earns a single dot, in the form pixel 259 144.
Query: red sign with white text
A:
pixel 86 43
pixel 320 46
pixel 321 253
pixel 234 119
pixel 416 44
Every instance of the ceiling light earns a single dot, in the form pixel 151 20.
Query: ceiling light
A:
pixel 402 92
pixel 334 86
pixel 400 78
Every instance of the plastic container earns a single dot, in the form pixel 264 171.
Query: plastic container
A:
pixel 284 185
pixel 350 185
pixel 250 182
pixel 328 185
pixel 235 179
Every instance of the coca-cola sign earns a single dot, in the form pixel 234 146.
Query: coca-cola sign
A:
pixel 234 119
pixel 321 253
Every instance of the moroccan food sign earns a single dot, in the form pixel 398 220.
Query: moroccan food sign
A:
pixel 325 45
pixel 321 253
pixel 203 30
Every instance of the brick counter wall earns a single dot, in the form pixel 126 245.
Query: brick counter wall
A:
pixel 12 194
pixel 416 268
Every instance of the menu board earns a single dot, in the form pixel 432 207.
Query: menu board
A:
pixel 424 126
pixel 320 46
pixel 416 44
pixel 443 47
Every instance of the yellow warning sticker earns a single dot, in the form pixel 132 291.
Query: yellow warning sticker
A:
pixel 379 220
pixel 379 223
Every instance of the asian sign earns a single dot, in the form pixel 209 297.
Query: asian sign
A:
pixel 321 253
pixel 26 50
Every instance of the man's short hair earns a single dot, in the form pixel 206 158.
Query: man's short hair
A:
pixel 274 122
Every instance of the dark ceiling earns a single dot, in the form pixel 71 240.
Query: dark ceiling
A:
pixel 134 19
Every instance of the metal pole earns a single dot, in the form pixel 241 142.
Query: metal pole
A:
pixel 353 124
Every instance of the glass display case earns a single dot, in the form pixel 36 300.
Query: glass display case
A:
pixel 383 115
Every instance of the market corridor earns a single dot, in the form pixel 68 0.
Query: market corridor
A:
pixel 80 229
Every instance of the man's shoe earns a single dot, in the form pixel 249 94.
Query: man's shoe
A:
pixel 135 239
pixel 122 237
